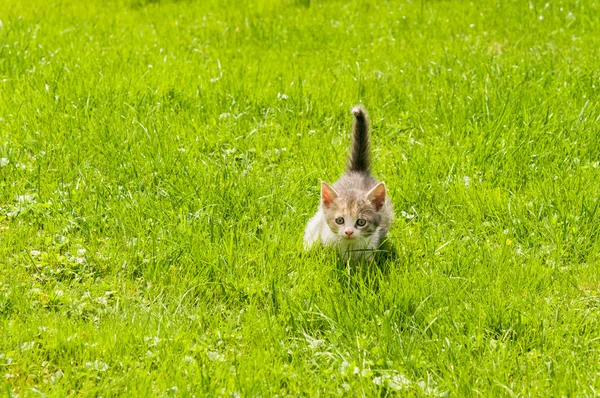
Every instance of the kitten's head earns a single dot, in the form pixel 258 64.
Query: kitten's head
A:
pixel 354 214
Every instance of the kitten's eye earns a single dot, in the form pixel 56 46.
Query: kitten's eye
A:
pixel 339 220
pixel 361 223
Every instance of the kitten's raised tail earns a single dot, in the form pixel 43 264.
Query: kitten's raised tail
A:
pixel 359 157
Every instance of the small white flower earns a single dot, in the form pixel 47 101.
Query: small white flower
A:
pixel 28 345
pixel 152 340
pixel 215 356
pixel 25 198
pixel 102 301
pixel 97 365
pixel 344 366
pixel 4 162
pixel 406 215
pixel 312 342
pixel 188 359
pixel 380 380
pixel 56 376
pixel 398 382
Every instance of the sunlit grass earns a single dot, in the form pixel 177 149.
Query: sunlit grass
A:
pixel 159 161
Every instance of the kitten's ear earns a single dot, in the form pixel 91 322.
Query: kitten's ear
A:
pixel 328 194
pixel 377 195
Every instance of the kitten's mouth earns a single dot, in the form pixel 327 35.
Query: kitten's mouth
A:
pixel 351 237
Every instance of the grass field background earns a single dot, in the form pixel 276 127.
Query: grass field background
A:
pixel 160 159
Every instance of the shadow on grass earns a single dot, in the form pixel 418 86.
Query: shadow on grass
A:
pixel 367 273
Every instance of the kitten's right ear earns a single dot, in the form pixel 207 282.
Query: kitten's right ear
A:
pixel 328 194
pixel 377 195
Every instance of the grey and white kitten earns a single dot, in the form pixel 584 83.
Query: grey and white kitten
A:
pixel 355 212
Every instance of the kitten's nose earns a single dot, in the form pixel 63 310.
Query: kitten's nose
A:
pixel 349 232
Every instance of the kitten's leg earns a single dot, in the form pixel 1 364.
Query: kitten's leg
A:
pixel 313 229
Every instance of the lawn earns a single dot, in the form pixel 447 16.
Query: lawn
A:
pixel 159 161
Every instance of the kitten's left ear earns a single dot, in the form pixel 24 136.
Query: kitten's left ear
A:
pixel 377 195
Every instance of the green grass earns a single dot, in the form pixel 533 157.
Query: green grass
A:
pixel 160 160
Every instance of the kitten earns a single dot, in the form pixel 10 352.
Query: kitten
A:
pixel 355 213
